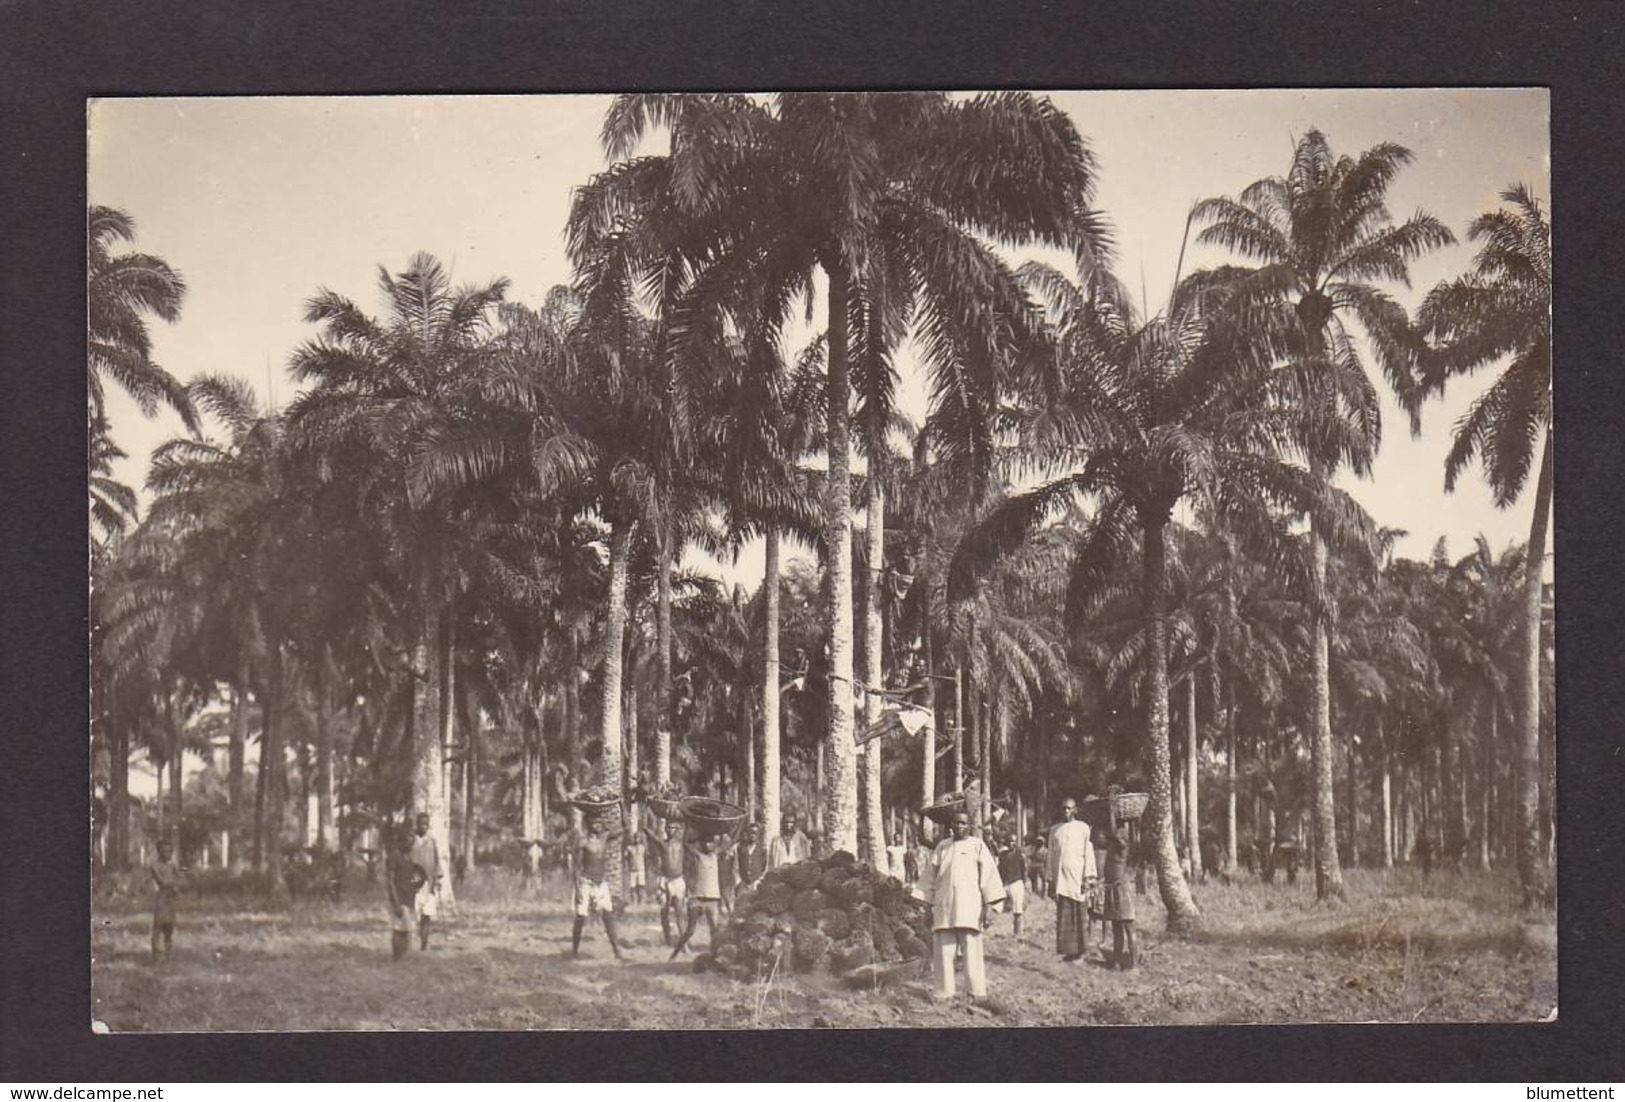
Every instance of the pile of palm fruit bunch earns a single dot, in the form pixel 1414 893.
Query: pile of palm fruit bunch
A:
pixel 833 915
pixel 598 801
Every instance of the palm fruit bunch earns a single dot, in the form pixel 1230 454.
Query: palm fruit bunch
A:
pixel 664 800
pixel 598 801
pixel 833 915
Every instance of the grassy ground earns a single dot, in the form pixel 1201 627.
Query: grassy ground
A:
pixel 1403 949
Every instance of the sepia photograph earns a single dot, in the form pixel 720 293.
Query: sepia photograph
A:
pixel 785 560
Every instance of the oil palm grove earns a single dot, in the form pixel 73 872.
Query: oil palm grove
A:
pixel 850 468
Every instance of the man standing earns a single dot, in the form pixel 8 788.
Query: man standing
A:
pixel 592 893
pixel 426 856
pixel 402 881
pixel 167 882
pixel 706 899
pixel 752 858
pixel 673 888
pixel 789 847
pixel 1071 870
pixel 962 887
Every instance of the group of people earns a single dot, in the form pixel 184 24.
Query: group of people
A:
pixel 413 878
pixel 965 879
pixel 698 874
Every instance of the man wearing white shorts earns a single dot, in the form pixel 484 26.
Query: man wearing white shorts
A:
pixel 589 865
pixel 673 888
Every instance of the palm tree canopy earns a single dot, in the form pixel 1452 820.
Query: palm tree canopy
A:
pixel 121 291
pixel 1320 236
pixel 1502 310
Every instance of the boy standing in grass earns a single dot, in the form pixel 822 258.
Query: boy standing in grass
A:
pixel 1013 871
pixel 169 881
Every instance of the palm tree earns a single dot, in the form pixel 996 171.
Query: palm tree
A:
pixel 1321 235
pixel 761 428
pixel 387 396
pixel 836 183
pixel 1141 416
pixel 1501 311
pixel 113 505
pixel 121 291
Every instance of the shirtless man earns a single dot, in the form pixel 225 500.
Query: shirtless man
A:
pixel 673 888
pixel 588 865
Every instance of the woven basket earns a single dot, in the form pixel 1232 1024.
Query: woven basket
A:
pixel 666 809
pixel 942 812
pixel 1126 807
pixel 708 816
pixel 596 809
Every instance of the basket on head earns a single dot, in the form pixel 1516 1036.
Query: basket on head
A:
pixel 708 816
pixel 1125 807
pixel 666 809
pixel 597 802
pixel 943 811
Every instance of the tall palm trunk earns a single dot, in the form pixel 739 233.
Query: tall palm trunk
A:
pixel 271 774
pixel 177 764
pixel 1193 818
pixel 428 794
pixel 1387 799
pixel 1487 776
pixel 301 756
pixel 234 774
pixel 1531 863
pixel 634 755
pixel 1354 805
pixel 663 690
pixel 1232 854
pixel 841 789
pixel 570 724
pixel 324 750
pixel 1176 894
pixel 615 616
pixel 873 834
pixel 1328 874
pixel 750 797
pixel 440 817
pixel 118 798
pixel 959 729
pixel 770 683
pixel 986 758
pixel 928 766
pixel 471 775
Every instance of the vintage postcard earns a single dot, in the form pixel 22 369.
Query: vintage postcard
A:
pixel 872 560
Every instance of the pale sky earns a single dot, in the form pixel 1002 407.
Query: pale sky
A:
pixel 260 201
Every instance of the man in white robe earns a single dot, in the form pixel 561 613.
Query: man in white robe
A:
pixel 1071 875
pixel 962 887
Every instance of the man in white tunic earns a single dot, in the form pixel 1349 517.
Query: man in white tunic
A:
pixel 1071 875
pixel 962 887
